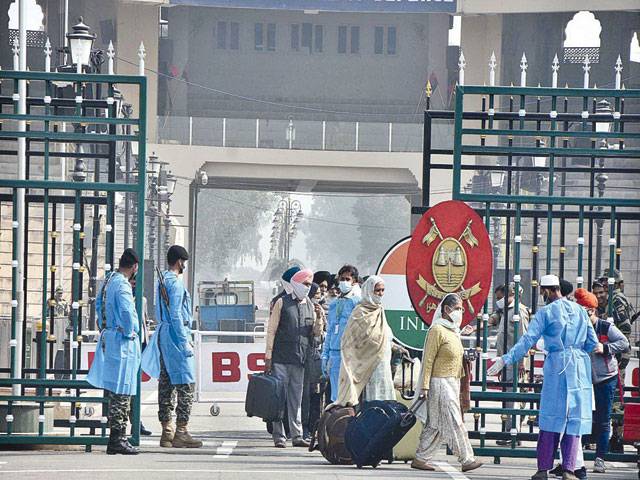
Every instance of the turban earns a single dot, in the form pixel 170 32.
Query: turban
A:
pixel 287 275
pixel 585 298
pixel 302 276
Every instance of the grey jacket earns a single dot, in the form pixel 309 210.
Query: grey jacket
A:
pixel 605 366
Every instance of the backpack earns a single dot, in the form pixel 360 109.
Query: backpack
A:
pixel 328 436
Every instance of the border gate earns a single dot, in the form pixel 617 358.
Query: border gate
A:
pixel 91 103
pixel 540 158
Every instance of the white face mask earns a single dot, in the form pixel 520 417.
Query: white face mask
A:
pixel 345 286
pixel 377 299
pixel 300 290
pixel 500 304
pixel 456 317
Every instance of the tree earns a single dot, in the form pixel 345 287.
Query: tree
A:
pixel 382 220
pixel 229 225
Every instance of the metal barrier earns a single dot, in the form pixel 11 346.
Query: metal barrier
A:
pixel 528 139
pixel 36 124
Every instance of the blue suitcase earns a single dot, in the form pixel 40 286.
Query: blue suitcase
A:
pixel 373 433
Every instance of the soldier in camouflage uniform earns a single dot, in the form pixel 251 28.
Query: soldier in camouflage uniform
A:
pixel 622 313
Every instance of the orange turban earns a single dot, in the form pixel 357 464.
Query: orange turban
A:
pixel 585 298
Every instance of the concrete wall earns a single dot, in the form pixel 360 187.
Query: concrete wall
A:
pixel 363 82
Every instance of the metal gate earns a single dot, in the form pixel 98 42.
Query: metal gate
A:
pixel 533 162
pixel 72 116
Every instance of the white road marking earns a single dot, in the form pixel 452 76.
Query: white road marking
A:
pixel 451 471
pixel 619 465
pixel 150 442
pixel 225 450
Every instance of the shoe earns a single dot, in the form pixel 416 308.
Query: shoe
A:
pixel 599 466
pixel 540 475
pixel 422 465
pixel 471 466
pixel 566 475
pixel 144 432
pixel 183 439
pixel 121 446
pixel 166 439
pixel 507 443
pixel 557 471
pixel 300 442
pixel 280 444
pixel 581 473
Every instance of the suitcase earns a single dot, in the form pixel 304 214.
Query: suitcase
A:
pixel 329 435
pixel 373 433
pixel 405 449
pixel 265 397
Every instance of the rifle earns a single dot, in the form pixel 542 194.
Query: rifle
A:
pixel 163 288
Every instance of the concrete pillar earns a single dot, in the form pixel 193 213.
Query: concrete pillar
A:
pixel 139 23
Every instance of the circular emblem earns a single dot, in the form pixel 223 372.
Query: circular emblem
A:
pixel 450 251
pixel 408 328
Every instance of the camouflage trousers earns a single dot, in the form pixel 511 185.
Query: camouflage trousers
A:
pixel 167 393
pixel 118 416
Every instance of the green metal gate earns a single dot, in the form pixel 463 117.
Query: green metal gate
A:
pixel 548 151
pixel 53 100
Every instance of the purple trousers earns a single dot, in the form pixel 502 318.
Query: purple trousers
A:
pixel 547 446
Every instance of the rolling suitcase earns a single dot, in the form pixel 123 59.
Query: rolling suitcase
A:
pixel 266 397
pixel 373 433
pixel 405 449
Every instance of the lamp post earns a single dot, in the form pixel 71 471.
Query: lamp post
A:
pixel 285 222
pixel 153 167
pixel 603 108
pixel 494 181
pixel 200 180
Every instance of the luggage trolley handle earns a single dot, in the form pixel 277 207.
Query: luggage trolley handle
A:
pixel 409 418
pixel 410 393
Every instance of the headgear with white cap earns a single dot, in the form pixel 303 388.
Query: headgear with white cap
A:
pixel 549 282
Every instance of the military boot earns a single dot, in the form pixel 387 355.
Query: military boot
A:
pixel 183 439
pixel 118 444
pixel 166 438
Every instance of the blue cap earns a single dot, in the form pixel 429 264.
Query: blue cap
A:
pixel 288 275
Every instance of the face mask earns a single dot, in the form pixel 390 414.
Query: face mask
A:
pixel 377 299
pixel 500 304
pixel 345 287
pixel 300 290
pixel 456 317
pixel 329 300
pixel 546 299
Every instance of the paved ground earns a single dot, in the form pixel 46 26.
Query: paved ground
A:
pixel 237 447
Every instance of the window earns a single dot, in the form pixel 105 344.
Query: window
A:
pixel 342 39
pixel 259 36
pixel 379 40
pixel 221 36
pixel 391 40
pixel 295 37
pixel 227 35
pixel 271 37
pixel 307 30
pixel 307 36
pixel 234 41
pixel 318 38
pixel 355 39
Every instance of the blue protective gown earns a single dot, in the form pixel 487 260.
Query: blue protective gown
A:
pixel 338 317
pixel 116 362
pixel 173 334
pixel 569 338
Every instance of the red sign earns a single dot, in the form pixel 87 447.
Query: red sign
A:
pixel 450 251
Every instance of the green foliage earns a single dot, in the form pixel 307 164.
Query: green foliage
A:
pixel 229 225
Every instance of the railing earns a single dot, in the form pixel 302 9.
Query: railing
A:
pixel 300 134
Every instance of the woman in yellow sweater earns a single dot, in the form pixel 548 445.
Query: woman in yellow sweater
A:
pixel 439 382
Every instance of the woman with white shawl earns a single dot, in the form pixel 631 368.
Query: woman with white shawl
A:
pixel 366 350
pixel 439 382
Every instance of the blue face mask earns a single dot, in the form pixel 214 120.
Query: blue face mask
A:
pixel 345 286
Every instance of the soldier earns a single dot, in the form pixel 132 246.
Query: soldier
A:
pixel 622 313
pixel 117 359
pixel 169 355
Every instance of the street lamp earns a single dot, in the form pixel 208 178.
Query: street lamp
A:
pixel 80 42
pixel 603 125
